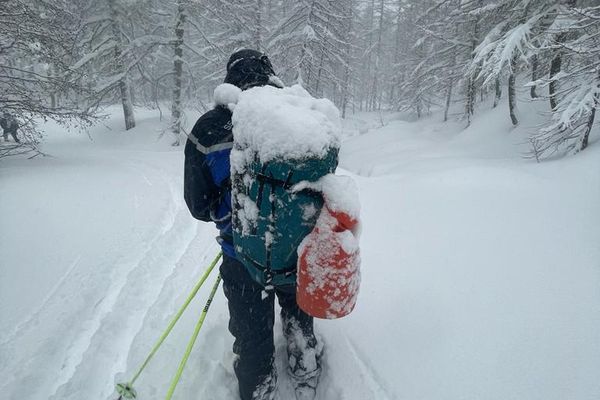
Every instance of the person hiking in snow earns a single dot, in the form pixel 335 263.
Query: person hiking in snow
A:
pixel 10 125
pixel 207 191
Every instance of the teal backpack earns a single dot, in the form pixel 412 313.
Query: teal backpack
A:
pixel 267 243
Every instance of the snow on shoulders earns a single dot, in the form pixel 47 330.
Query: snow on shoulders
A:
pixel 227 94
pixel 284 123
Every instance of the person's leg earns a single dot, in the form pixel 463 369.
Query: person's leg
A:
pixel 304 351
pixel 14 135
pixel 251 320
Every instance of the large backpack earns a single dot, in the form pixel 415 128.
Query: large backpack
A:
pixel 270 219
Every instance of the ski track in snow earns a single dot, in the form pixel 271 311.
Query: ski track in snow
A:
pixel 133 290
pixel 192 263
pixel 373 381
pixel 135 166
pixel 92 358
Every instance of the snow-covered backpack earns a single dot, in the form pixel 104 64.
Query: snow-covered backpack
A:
pixel 270 219
pixel 282 137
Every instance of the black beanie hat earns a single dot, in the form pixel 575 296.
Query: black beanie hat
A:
pixel 248 68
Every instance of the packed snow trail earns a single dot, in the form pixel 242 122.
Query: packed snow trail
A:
pixel 480 270
pixel 107 299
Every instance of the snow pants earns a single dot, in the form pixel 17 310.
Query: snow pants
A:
pixel 13 133
pixel 251 319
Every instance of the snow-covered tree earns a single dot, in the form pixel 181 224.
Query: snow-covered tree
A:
pixel 411 55
pixel 312 46
pixel 116 39
pixel 412 49
pixel 36 39
pixel 576 91
pixel 176 109
pixel 508 45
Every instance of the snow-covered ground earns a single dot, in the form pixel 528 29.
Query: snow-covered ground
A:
pixel 481 269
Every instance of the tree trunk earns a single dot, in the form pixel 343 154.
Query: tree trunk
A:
pixel 127 105
pixel 470 105
pixel 448 100
pixel 319 73
pixel 369 60
pixel 398 42
pixel 176 111
pixel 556 63
pixel 347 53
pixel 120 66
pixel 303 71
pixel 555 67
pixel 53 94
pixel 534 76
pixel 321 63
pixel 512 95
pixel 258 25
pixel 588 128
pixel 590 123
pixel 471 88
pixel 498 93
pixel 376 102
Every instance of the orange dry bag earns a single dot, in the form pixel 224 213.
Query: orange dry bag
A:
pixel 329 266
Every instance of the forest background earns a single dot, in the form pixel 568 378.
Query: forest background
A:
pixel 66 59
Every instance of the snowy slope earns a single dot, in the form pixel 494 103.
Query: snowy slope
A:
pixel 481 270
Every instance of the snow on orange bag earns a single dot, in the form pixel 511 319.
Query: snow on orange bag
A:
pixel 329 257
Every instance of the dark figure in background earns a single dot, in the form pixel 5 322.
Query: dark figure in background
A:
pixel 10 125
pixel 207 189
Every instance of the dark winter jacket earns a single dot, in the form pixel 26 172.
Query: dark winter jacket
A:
pixel 207 187
pixel 9 125
pixel 207 184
